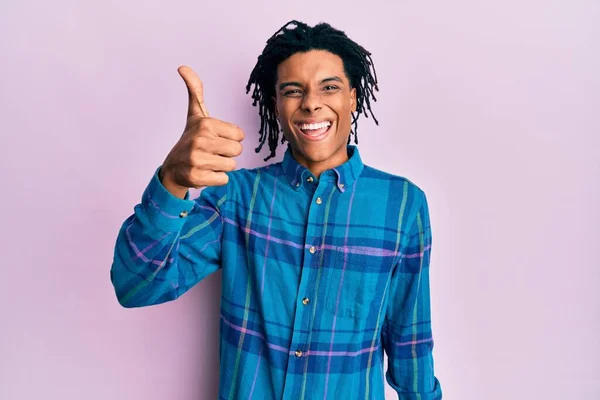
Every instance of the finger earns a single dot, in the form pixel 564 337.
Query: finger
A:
pixel 231 131
pixel 211 178
pixel 220 146
pixel 195 90
pixel 215 162
pixel 222 129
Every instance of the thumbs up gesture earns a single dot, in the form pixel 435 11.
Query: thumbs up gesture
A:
pixel 206 149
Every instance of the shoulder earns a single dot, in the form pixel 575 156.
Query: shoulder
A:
pixel 399 186
pixel 404 196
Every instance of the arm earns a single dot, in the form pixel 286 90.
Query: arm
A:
pixel 406 332
pixel 167 246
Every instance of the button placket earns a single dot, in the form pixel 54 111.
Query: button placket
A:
pixel 306 289
pixel 311 250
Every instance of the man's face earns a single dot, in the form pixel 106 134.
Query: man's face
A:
pixel 314 102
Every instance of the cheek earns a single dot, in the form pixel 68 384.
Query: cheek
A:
pixel 286 112
pixel 344 111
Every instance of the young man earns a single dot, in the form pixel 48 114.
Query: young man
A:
pixel 325 261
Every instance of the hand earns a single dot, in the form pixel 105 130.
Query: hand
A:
pixel 206 149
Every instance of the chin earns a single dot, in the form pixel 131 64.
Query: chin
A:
pixel 320 143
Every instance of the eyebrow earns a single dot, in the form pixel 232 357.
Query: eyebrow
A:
pixel 330 79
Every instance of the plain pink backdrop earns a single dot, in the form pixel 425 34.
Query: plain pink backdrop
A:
pixel 491 107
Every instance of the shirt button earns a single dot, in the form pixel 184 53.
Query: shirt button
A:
pixel 341 185
pixel 319 201
pixel 183 214
pixel 312 249
pixel 305 301
pixel 309 179
pixel 297 184
pixel 298 353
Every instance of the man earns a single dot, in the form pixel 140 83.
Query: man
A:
pixel 325 261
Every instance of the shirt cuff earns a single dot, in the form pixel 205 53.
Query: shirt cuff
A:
pixel 164 210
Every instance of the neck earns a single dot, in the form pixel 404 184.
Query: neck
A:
pixel 318 167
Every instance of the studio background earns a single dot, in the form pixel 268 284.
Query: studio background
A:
pixel 492 108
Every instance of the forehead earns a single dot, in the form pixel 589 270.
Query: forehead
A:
pixel 310 66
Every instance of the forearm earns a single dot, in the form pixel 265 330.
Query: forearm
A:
pixel 145 263
pixel 165 247
pixel 410 364
pixel 407 332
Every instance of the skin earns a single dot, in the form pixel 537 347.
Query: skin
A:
pixel 207 148
pixel 311 87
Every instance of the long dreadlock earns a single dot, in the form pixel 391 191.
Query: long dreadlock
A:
pixel 287 41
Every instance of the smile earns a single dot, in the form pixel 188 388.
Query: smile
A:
pixel 316 131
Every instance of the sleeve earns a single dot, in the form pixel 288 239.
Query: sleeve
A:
pixel 406 334
pixel 168 245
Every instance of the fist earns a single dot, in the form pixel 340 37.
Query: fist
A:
pixel 206 149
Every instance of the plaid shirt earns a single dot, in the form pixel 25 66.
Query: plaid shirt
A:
pixel 319 277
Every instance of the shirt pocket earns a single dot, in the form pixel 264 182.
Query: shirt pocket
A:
pixel 355 289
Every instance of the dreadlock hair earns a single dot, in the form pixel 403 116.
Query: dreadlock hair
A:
pixel 287 41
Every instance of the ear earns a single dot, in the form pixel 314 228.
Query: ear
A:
pixel 353 99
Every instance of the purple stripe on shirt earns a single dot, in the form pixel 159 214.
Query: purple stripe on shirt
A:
pixel 263 236
pixel 319 353
pixel 363 250
pixel 253 333
pixel 411 342
pixel 157 208
pixel 342 353
pixel 140 254
pixel 417 255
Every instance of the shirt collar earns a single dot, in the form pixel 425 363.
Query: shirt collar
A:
pixel 343 175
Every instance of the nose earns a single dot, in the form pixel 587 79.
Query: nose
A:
pixel 312 101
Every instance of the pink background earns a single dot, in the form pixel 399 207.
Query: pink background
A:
pixel 493 109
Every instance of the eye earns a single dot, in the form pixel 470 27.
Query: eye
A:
pixel 292 92
pixel 329 88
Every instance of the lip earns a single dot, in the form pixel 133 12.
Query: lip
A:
pixel 312 121
pixel 318 138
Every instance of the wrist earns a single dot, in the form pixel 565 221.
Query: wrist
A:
pixel 169 183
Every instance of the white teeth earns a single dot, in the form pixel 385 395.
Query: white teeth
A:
pixel 310 127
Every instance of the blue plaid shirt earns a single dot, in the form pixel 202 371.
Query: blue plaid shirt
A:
pixel 319 277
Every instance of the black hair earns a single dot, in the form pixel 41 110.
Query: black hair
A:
pixel 287 41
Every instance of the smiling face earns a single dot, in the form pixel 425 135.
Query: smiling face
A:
pixel 314 104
